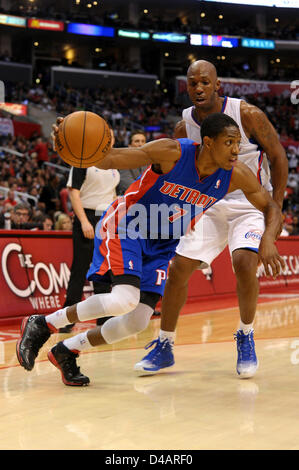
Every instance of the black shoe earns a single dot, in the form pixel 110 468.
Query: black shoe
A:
pixel 34 333
pixel 156 313
pixel 101 321
pixel 67 328
pixel 65 360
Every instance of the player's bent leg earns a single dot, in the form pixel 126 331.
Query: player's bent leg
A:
pixel 245 265
pixel 176 290
pixel 175 294
pixel 64 354
pixel 119 328
pixel 122 299
pixel 35 330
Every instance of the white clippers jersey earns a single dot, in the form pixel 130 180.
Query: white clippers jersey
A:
pixel 249 154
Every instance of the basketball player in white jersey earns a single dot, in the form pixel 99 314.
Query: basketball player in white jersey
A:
pixel 233 221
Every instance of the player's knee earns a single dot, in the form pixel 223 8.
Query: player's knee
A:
pixel 124 299
pixel 139 321
pixel 245 263
pixel 124 326
pixel 181 269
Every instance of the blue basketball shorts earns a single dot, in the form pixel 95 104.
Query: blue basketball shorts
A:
pixel 145 259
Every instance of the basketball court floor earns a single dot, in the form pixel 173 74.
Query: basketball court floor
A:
pixel 200 403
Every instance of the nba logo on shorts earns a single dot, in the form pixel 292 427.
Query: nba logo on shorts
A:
pixel 131 265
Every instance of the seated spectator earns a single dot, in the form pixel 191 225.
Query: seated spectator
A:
pixel 127 177
pixel 45 222
pixel 295 224
pixel 64 222
pixel 20 218
pixel 293 182
pixel 65 201
pixel 288 217
pixel 11 199
pixel 49 196
pixel 41 151
pixel 292 157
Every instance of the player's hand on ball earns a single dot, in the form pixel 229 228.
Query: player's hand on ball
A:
pixel 82 139
pixel 54 132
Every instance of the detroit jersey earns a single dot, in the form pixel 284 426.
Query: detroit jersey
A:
pixel 167 205
pixel 250 153
pixel 126 243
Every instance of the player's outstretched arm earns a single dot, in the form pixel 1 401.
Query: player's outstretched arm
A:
pixel 164 152
pixel 244 179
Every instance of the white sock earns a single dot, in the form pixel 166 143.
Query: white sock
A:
pixel 170 335
pixel 58 319
pixel 78 342
pixel 246 328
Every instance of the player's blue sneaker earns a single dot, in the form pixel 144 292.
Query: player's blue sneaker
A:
pixel 247 363
pixel 160 357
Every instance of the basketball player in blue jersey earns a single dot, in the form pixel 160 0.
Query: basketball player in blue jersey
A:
pixel 234 222
pixel 182 176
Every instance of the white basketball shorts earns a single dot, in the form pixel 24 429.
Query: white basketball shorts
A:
pixel 232 222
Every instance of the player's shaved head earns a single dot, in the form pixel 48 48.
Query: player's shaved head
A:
pixel 202 86
pixel 203 66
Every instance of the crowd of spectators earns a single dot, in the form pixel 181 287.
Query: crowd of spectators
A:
pixel 26 166
pixel 125 109
pixel 188 21
pixel 184 20
pixel 32 193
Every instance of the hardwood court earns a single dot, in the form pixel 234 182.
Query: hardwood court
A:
pixel 200 403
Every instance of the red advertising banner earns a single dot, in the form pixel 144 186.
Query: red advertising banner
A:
pixel 14 108
pixel 49 25
pixel 239 87
pixel 220 280
pixel 35 269
pixel 288 248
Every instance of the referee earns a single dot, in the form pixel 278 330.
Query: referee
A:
pixel 91 190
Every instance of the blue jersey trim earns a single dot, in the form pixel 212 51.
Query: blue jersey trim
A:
pixel 256 250
pixel 224 104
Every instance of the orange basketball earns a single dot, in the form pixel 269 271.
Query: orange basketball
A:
pixel 83 139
